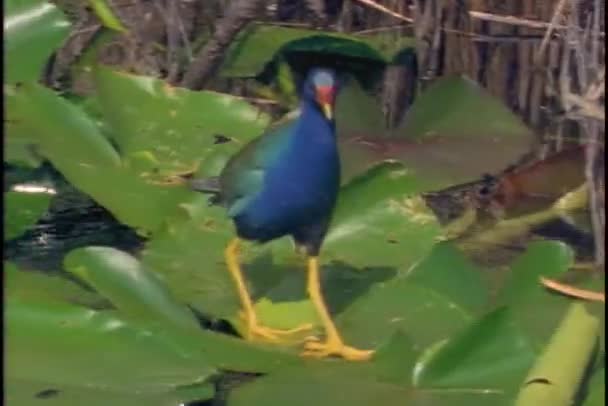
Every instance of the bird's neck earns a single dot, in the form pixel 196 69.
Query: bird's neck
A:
pixel 313 124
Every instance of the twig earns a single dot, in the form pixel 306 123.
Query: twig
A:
pixel 385 10
pixel 572 291
pixel 478 15
pixel 556 15
pixel 587 107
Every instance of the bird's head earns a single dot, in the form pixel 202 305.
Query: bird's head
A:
pixel 321 86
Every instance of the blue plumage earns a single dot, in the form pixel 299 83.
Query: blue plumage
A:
pixel 286 182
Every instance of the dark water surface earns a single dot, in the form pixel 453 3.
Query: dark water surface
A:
pixel 73 220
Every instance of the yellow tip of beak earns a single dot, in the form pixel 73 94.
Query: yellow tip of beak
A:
pixel 327 110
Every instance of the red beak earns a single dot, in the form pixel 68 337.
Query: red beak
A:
pixel 325 98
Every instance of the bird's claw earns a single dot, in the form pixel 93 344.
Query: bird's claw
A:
pixel 334 346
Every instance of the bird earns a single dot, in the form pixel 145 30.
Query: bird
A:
pixel 286 183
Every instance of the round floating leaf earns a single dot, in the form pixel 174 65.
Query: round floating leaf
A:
pixel 381 221
pixel 336 384
pixel 133 290
pixel 33 29
pixel 357 112
pixel 69 345
pixel 260 44
pixel 446 107
pixel 73 143
pixel 523 291
pixel 162 130
pixel 491 353
pixel 34 285
pixel 25 392
pixel 23 211
pixel 450 273
pixel 451 121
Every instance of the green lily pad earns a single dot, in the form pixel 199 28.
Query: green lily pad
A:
pixel 492 353
pixel 33 29
pixel 22 211
pixel 380 220
pixel 357 112
pixel 260 44
pixel 26 392
pixel 445 108
pixel 58 343
pixel 451 121
pixel 450 273
pixel 336 384
pixel 597 390
pixel 75 146
pixel 523 292
pixel 162 130
pixel 20 152
pixel 133 290
pixel 35 285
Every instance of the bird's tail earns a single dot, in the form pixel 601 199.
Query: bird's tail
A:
pixel 209 186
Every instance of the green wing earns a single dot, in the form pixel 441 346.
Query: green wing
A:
pixel 243 176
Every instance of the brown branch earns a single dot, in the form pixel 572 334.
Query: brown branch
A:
pixel 478 15
pixel 559 8
pixel 204 65
pixel 572 291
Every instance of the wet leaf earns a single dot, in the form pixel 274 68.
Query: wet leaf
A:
pixel 258 45
pixel 526 296
pixel 73 143
pixel 336 384
pixel 33 29
pixel 59 344
pixel 22 211
pixel 380 220
pixel 491 353
pixel 35 285
pixel 163 130
pixel 459 97
pixel 132 289
pixel 26 392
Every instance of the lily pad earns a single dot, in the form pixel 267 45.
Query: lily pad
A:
pixel 260 44
pixel 523 291
pixel 58 343
pixel 492 353
pixel 163 130
pixel 448 124
pixel 75 146
pixel 132 289
pixel 35 285
pixel 332 384
pixel 25 392
pixel 33 29
pixel 380 220
pixel 22 211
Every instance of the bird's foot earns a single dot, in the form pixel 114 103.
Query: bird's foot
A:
pixel 334 346
pixel 254 330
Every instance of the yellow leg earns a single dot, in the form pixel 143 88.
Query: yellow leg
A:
pixel 333 344
pixel 253 329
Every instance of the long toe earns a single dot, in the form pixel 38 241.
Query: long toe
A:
pixel 336 348
pixel 255 331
